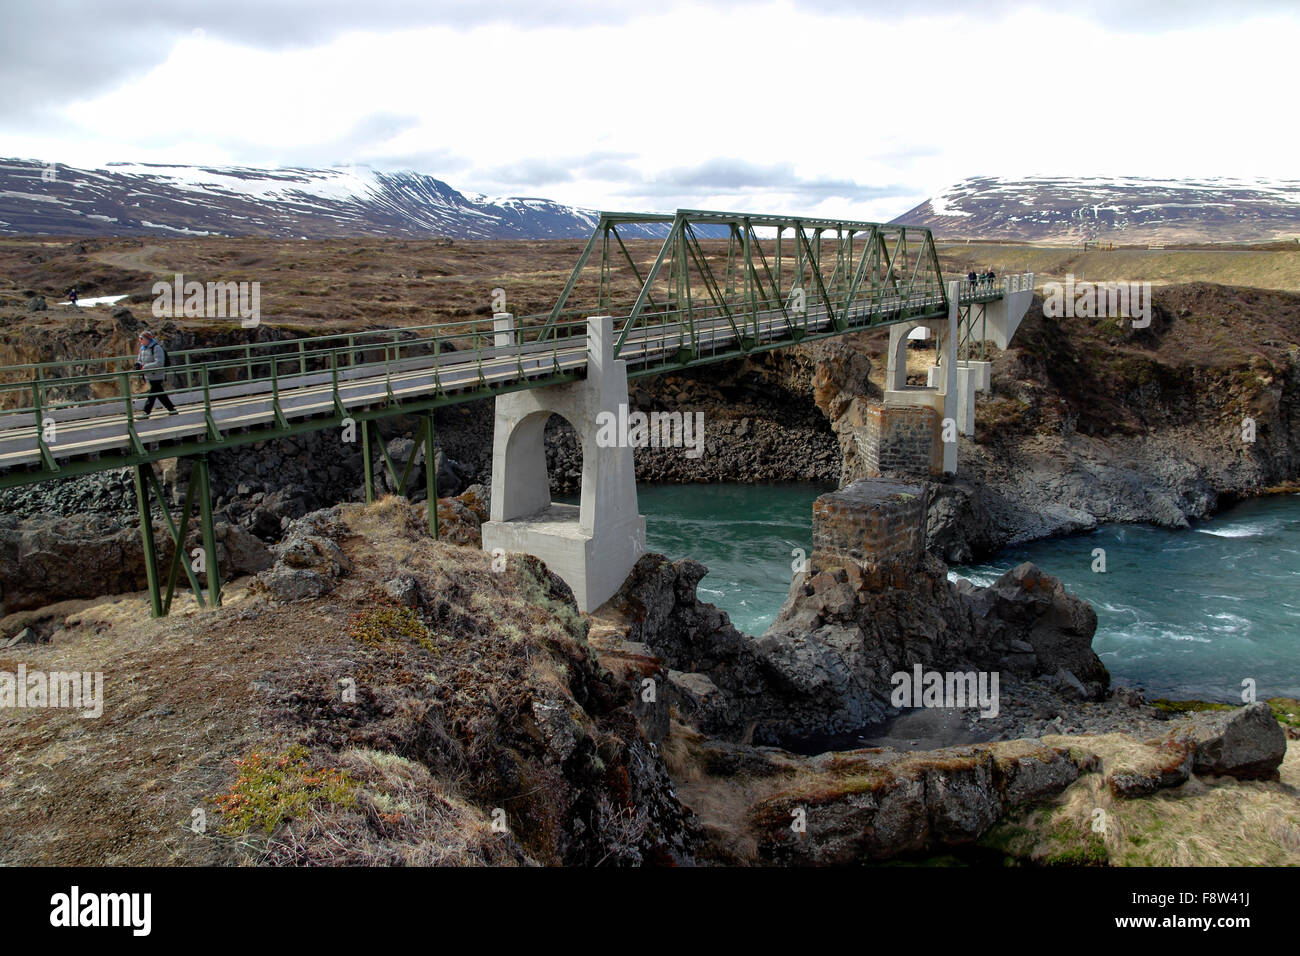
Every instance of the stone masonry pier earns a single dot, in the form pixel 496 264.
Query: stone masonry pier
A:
pixel 875 524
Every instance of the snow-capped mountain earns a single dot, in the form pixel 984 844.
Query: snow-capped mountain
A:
pixel 131 199
pixel 1125 209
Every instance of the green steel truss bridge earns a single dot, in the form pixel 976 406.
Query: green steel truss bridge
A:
pixel 722 286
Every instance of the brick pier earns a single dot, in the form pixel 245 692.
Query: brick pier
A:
pixel 902 438
pixel 871 523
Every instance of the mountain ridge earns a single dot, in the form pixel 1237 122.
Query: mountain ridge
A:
pixel 139 199
pixel 1121 209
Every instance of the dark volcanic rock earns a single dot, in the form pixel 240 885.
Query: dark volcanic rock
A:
pixel 825 665
pixel 1032 608
pixel 878 804
pixel 308 561
pixel 1247 743
pixel 1164 764
pixel 44 560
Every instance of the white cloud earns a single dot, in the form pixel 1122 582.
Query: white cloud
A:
pixel 627 113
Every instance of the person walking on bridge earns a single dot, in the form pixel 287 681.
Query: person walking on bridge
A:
pixel 151 361
pixel 972 279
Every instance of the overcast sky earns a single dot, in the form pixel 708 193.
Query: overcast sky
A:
pixel 857 109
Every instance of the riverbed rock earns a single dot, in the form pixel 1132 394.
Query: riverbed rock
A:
pixel 1031 607
pixel 826 665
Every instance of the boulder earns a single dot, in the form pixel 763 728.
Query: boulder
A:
pixel 308 561
pixel 404 590
pixel 694 694
pixel 877 804
pixel 1156 765
pixel 1247 743
pixel 1028 610
pixel 239 552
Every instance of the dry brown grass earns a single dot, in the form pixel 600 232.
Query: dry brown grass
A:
pixel 1271 268
pixel 1207 821
pixel 434 723
pixel 403 817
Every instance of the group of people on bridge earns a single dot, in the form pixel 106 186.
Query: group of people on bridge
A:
pixel 980 280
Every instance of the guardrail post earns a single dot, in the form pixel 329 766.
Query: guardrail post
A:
pixel 388 375
pixel 124 381
pixel 339 408
pixel 213 432
pixel 275 394
pixel 38 406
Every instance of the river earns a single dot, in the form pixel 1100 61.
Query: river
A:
pixel 1187 613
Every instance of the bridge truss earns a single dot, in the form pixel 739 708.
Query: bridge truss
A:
pixel 724 285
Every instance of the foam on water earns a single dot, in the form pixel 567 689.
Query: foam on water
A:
pixel 1248 531
pixel 1189 621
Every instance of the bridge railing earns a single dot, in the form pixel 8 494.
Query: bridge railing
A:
pixel 983 289
pixel 33 394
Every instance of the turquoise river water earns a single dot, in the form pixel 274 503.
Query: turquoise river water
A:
pixel 1186 613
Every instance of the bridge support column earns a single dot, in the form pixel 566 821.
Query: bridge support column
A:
pixel 591 546
pixel 212 572
pixel 430 474
pixel 944 382
pixel 367 466
pixel 424 443
pixel 950 382
pixel 197 487
pixel 146 536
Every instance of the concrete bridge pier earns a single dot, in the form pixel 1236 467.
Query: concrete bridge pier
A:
pixel 592 546
pixel 946 382
pixel 951 385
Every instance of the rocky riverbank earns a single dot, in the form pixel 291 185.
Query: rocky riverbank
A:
pixel 794 747
pixel 375 697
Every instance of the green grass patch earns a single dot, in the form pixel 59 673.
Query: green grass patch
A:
pixel 1167 706
pixel 388 627
pixel 1286 710
pixel 271 789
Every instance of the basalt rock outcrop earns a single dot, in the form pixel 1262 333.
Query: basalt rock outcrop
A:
pixel 877 804
pixel 46 560
pixel 871 603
